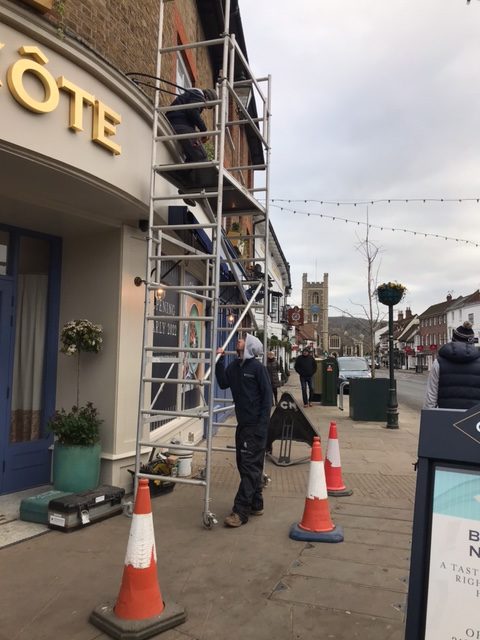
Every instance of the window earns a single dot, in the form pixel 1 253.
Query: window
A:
pixel 183 79
pixel 315 298
pixel 334 342
pixel 435 320
pixel 274 308
pixel 470 318
pixel 315 318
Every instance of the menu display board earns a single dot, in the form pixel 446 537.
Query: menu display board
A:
pixel 453 601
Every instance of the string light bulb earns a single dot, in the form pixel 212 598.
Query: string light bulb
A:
pixel 160 294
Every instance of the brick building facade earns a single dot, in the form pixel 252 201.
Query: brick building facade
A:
pixel 75 188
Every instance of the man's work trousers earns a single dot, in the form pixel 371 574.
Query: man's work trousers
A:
pixel 193 149
pixel 250 449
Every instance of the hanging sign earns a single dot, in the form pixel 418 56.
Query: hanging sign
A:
pixel 295 317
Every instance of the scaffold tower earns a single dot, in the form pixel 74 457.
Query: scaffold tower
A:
pixel 230 289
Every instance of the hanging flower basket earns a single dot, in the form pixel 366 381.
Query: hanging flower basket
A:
pixel 390 293
pixel 81 335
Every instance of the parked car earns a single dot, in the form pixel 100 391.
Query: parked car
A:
pixel 352 367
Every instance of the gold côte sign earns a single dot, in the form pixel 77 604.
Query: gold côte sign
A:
pixel 33 61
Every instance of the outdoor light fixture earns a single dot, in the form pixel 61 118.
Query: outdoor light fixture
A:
pixel 243 90
pixel 159 293
pixel 230 318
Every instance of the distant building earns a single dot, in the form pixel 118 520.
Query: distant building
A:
pixel 315 306
pixel 433 331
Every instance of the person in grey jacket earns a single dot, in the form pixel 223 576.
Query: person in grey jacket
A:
pixel 275 375
pixel 249 383
pixel 454 379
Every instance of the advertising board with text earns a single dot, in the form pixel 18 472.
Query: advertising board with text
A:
pixel 453 602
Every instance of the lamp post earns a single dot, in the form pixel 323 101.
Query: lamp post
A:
pixel 390 294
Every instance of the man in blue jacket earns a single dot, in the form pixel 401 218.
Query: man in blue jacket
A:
pixel 454 379
pixel 190 120
pixel 251 391
pixel 305 366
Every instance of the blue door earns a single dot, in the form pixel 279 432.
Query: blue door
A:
pixel 28 351
pixel 6 343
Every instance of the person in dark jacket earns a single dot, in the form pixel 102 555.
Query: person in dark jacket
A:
pixel 190 120
pixel 305 366
pixel 248 381
pixel 274 374
pixel 454 379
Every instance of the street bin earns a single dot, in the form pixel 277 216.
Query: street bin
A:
pixel 418 368
pixel 329 381
pixel 368 399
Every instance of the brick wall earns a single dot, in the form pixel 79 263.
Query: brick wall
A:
pixel 125 33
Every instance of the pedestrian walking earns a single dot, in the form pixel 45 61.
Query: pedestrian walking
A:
pixel 305 366
pixel 275 375
pixel 454 379
pixel 249 383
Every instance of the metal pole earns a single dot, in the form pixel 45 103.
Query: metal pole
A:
pixel 392 407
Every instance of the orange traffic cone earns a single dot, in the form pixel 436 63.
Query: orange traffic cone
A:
pixel 333 465
pixel 139 611
pixel 316 524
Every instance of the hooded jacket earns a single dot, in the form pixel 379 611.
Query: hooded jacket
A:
pixel 459 376
pixel 250 385
pixel 187 118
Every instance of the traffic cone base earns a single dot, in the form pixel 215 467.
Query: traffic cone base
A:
pixel 333 466
pixel 338 493
pixel 297 533
pixel 104 618
pixel 139 611
pixel 316 524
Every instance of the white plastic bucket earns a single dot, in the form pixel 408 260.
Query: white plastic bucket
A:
pixel 184 467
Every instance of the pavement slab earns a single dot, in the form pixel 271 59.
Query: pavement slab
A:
pixel 322 592
pixel 250 583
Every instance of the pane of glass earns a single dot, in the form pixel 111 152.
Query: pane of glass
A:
pixel 4 239
pixel 30 332
pixel 183 77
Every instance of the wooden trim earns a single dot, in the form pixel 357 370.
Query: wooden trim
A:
pixel 183 39
pixel 41 5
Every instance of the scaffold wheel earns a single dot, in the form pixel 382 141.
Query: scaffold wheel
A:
pixel 209 520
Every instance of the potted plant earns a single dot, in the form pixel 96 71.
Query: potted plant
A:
pixel 76 454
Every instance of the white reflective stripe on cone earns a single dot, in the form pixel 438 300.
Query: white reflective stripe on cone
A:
pixel 333 453
pixel 317 487
pixel 141 542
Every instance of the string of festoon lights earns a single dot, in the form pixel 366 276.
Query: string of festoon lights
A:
pixel 368 224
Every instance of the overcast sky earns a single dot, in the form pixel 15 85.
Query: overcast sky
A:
pixel 373 99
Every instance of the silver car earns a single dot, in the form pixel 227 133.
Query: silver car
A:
pixel 352 367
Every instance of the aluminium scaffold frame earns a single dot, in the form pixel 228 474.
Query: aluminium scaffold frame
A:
pixel 220 198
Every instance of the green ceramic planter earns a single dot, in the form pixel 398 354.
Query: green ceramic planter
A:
pixel 76 468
